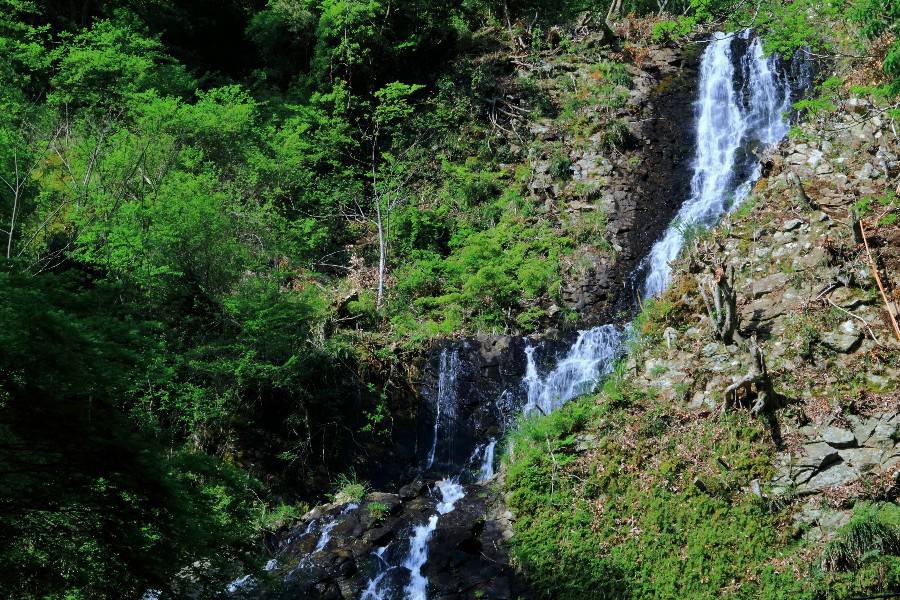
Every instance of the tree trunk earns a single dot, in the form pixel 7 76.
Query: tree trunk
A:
pixel 757 377
pixel 381 252
pixel 721 303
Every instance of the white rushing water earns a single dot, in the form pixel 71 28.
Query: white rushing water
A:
pixel 592 355
pixel 374 590
pixel 486 472
pixel 738 114
pixel 325 536
pixel 240 583
pixel 451 493
pixel 445 402
pixel 729 121
pixel 417 589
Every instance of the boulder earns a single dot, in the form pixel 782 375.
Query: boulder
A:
pixel 767 285
pixel 839 473
pixel 862 459
pixel 844 339
pixel 885 432
pixel 412 490
pixel 765 309
pixel 818 455
pixel 792 224
pixel 847 298
pixel 862 428
pixel 838 438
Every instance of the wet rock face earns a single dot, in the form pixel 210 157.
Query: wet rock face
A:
pixel 486 393
pixel 645 186
pixel 464 556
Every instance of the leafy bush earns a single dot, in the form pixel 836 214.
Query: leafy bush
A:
pixel 377 510
pixel 671 30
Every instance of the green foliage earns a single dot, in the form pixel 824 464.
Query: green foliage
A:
pixel 873 532
pixel 606 531
pixel 560 166
pixel 672 30
pixel 393 103
pixel 876 18
pixel 378 420
pixel 88 504
pixel 192 253
pixel 191 280
pixel 885 207
pixel 107 64
pixel 745 208
pixel 825 101
pixel 281 515
pixel 864 555
pixel 487 273
pixel 377 510
pixel 349 488
pixel 614 134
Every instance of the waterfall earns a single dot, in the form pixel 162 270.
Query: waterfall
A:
pixel 741 100
pixel 416 559
pixel 373 590
pixel 733 125
pixel 445 401
pixel 740 111
pixel 451 493
pixel 486 472
pixel 417 589
pixel 591 356
pixel 325 536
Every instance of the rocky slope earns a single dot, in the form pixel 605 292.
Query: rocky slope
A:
pixel 665 431
pixel 610 166
pixel 807 292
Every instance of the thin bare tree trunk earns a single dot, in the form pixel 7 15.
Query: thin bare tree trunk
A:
pixel 381 253
pixel 887 304
pixel 379 223
pixel 15 208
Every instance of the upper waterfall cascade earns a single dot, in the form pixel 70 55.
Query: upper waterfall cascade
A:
pixel 738 113
pixel 742 107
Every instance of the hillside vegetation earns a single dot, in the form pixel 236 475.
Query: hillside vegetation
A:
pixel 227 228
